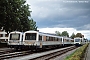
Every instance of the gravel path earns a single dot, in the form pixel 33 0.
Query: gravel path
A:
pixel 87 54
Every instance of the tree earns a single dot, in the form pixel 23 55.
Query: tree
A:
pixel 32 25
pixel 73 36
pixel 79 35
pixel 24 20
pixel 58 33
pixel 65 33
pixel 14 15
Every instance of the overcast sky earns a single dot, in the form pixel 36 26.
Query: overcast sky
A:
pixel 61 15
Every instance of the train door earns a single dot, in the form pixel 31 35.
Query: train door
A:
pixel 40 40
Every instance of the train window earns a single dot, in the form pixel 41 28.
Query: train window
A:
pixel 72 40
pixel 50 38
pixel 60 39
pixel 40 38
pixel 57 39
pixel 30 36
pixel 77 40
pixel 64 40
pixel 14 36
pixel 67 40
pixel 47 38
pixel 53 38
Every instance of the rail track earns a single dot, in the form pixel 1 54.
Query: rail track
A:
pixel 44 55
pixel 33 55
pixel 7 54
pixel 14 54
pixel 53 55
pixel 6 50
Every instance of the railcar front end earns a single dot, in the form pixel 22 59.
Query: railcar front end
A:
pixel 15 39
pixel 30 39
pixel 77 41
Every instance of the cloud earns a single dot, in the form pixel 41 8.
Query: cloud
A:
pixel 61 14
pixel 86 33
pixel 52 30
pixel 84 27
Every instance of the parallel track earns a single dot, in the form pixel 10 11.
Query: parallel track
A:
pixel 6 50
pixel 53 55
pixel 14 54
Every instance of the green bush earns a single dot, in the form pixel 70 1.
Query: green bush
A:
pixel 77 55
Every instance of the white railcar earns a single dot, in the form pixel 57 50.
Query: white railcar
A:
pixel 15 39
pixel 40 39
pixel 78 41
pixel 67 41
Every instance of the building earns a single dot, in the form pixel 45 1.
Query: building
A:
pixel 3 37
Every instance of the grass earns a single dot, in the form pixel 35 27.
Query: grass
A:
pixel 77 55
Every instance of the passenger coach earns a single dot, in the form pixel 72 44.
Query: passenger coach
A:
pixel 40 40
pixel 78 41
pixel 15 39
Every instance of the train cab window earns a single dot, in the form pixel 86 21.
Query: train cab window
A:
pixel 77 40
pixel 30 36
pixel 14 36
pixel 40 38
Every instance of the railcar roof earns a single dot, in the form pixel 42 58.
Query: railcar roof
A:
pixel 42 33
pixel 51 35
pixel 67 38
pixel 16 32
pixel 31 31
pixel 46 34
pixel 77 38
